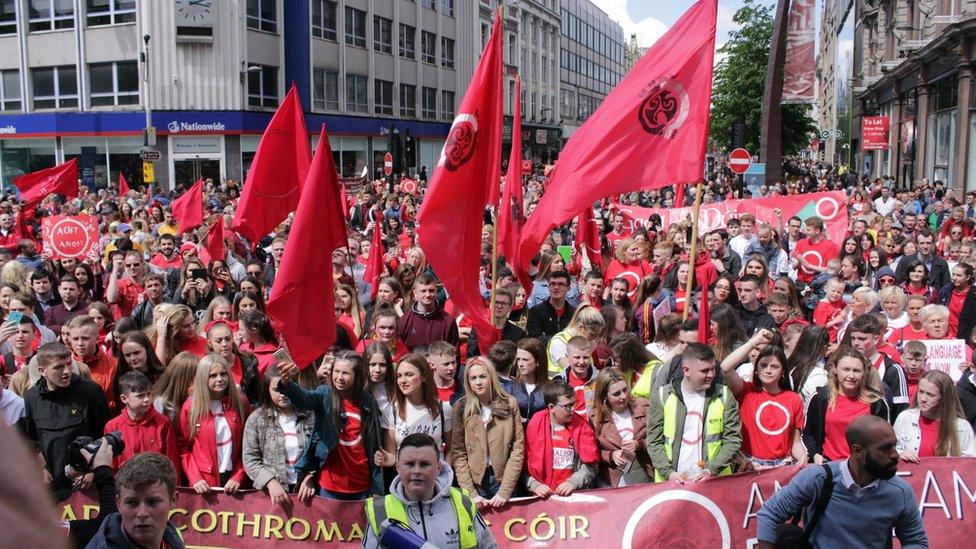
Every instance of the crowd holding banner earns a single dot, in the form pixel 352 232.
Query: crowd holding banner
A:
pixel 290 336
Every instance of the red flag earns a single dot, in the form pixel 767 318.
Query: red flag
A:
pixel 705 274
pixel 123 187
pixel 61 179
pixel 213 245
pixel 679 195
pixel 510 216
pixel 650 132
pixel 452 213
pixel 344 199
pixel 188 208
pixel 588 239
pixel 302 301
pixel 277 174
pixel 374 263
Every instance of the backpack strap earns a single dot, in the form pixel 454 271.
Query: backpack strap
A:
pixel 821 505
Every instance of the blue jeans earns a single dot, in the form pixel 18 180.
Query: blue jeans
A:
pixel 339 496
pixel 489 485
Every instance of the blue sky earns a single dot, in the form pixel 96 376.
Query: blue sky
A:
pixel 651 18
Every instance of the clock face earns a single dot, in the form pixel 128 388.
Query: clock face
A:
pixel 194 12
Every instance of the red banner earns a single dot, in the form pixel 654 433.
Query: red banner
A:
pixel 798 74
pixel 874 133
pixel 70 236
pixel 716 513
pixel 830 206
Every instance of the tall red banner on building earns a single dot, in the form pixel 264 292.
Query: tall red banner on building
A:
pixel 800 49
pixel 874 133
pixel 717 513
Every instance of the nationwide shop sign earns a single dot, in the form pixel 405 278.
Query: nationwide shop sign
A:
pixel 829 206
pixel 720 513
pixel 66 236
pixel 874 133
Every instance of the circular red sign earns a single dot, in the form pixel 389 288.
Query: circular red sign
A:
pixel 70 238
pixel 409 186
pixel 739 161
pixel 527 167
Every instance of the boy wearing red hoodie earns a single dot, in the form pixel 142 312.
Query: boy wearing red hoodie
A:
pixel 143 429
pixel 560 445
pixel 830 312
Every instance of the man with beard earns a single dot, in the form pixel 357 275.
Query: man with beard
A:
pixel 867 500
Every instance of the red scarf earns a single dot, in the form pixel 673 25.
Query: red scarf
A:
pixel 538 436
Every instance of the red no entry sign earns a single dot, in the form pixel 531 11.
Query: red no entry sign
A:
pixel 739 161
pixel 388 164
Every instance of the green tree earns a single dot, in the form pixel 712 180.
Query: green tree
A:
pixel 740 80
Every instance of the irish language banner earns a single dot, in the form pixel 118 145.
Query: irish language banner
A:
pixel 715 513
pixel 830 206
pixel 798 72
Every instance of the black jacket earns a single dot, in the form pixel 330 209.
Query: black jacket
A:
pixel 967 317
pixel 967 395
pixel 543 322
pixel 81 531
pixel 896 382
pixel 511 332
pixel 938 274
pixel 55 418
pixel 813 431
pixel 250 378
pixel 111 536
pixel 142 314
pixel 754 320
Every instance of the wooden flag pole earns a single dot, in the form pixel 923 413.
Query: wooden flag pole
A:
pixel 494 236
pixel 693 254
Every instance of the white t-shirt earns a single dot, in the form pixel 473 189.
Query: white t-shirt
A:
pixel 223 437
pixel 738 244
pixel 818 378
pixel 625 427
pixel 417 420
pixel 691 438
pixel 289 426
pixel 745 371
pixel 382 399
pixel 11 407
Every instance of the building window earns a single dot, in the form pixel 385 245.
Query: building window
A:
pixel 408 41
pixel 382 34
pixel 8 17
pixel 10 90
pixel 110 12
pixel 324 19
pixel 429 102
pixel 428 47
pixel 262 87
pixel 262 15
pixel 382 97
pixel 325 93
pixel 447 7
pixel 48 15
pixel 429 4
pixel 55 87
pixel 355 27
pixel 408 100
pixel 114 84
pixel 447 53
pixel 447 104
pixel 356 100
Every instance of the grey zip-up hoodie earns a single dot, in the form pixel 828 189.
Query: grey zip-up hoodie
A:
pixel 435 519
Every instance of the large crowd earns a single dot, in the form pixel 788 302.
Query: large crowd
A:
pixel 595 382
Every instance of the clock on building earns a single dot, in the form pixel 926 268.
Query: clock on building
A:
pixel 194 18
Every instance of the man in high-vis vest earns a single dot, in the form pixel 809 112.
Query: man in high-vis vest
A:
pixel 423 507
pixel 693 425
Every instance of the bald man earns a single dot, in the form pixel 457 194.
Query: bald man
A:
pixel 867 500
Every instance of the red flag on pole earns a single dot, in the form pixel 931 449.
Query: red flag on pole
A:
pixel 510 217
pixel 188 208
pixel 344 198
pixel 123 187
pixel 650 132
pixel 679 195
pixel 705 274
pixel 213 245
pixel 374 263
pixel 277 174
pixel 61 179
pixel 451 217
pixel 588 239
pixel 302 301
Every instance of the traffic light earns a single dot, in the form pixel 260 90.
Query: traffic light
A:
pixel 395 147
pixel 410 151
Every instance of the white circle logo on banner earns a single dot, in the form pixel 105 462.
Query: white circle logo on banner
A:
pixel 627 542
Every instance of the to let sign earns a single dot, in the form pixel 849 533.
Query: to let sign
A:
pixel 874 133
pixel 70 236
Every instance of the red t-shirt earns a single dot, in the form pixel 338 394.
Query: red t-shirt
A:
pixel 613 238
pixel 160 261
pixel 956 302
pixel 835 439
pixel 563 455
pixel 930 435
pixel 907 333
pixel 680 299
pixel 130 295
pixel 196 346
pixel 816 254
pixel 632 272
pixel 444 393
pixel 346 470
pixel 769 421
pixel 824 312
pixel 579 386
